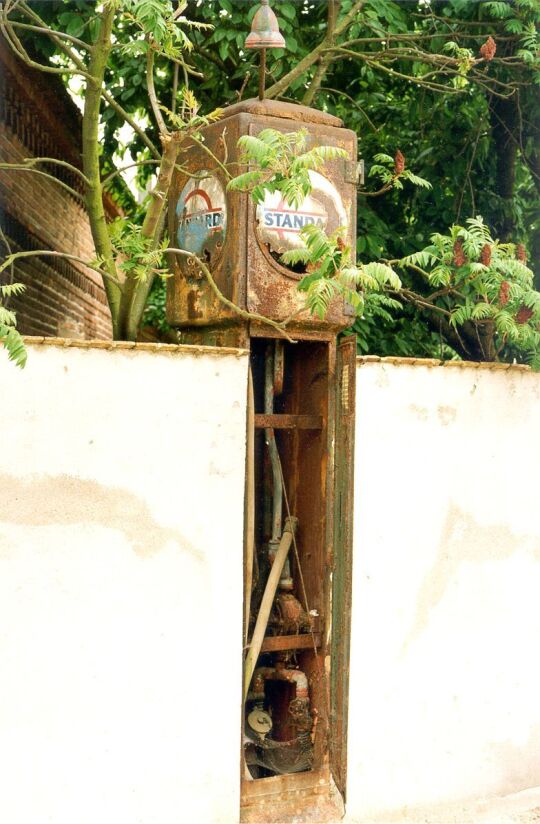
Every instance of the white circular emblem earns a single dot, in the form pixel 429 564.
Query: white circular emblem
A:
pixel 279 225
pixel 201 215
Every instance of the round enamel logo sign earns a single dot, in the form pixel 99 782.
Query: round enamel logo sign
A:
pixel 201 216
pixel 279 225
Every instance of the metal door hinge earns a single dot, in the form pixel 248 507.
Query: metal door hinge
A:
pixel 354 172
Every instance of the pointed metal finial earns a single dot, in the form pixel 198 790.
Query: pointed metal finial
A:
pixel 265 34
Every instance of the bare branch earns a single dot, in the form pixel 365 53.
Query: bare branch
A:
pixel 154 102
pixel 21 167
pixel 340 93
pixel 134 125
pixel 50 33
pixel 48 253
pixel 17 47
pixel 349 17
pixel 31 14
pixel 30 161
pixel 174 91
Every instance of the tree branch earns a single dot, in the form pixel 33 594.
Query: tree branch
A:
pixel 349 17
pixel 134 125
pixel 351 100
pixel 281 85
pixel 324 61
pixel 91 158
pixel 21 167
pixel 30 161
pixel 49 253
pixel 17 47
pixel 50 33
pixel 154 102
pixel 136 292
pixel 31 14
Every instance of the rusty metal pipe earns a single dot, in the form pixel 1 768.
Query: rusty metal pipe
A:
pixel 277 502
pixel 249 503
pixel 267 601
pixel 262 74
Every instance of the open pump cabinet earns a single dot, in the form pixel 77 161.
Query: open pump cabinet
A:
pixel 294 737
pixel 298 524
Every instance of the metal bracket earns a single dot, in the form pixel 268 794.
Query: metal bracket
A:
pixel 354 172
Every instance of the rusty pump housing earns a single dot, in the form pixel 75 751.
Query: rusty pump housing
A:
pixel 241 243
pixel 300 439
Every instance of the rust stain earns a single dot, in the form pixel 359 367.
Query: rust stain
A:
pixel 421 412
pixel 446 414
pixel 62 499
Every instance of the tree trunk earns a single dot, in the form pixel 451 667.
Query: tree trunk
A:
pixel 91 146
pixel 504 129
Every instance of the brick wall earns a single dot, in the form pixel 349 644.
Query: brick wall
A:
pixel 37 118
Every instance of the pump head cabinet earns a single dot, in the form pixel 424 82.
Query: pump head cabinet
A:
pixel 242 243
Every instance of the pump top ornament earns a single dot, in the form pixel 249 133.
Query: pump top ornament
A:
pixel 265 34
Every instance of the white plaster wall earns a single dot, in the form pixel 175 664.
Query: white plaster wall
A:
pixel 121 522
pixel 445 673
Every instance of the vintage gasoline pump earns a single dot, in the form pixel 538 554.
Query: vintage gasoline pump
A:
pixel 300 441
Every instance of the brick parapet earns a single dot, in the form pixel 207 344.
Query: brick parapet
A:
pixel 38 119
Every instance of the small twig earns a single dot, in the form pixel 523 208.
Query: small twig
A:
pixel 341 93
pixel 468 172
pixel 174 88
pixel 22 167
pixel 187 70
pixel 48 253
pixel 30 161
pixel 154 102
pixel 127 117
pixel 413 297
pixel 215 159
pixel 44 30
pixel 116 172
pixel 385 188
pixel 242 89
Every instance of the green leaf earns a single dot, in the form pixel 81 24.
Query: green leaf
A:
pixel 244 182
pixel 9 289
pixel 288 11
pixel 14 345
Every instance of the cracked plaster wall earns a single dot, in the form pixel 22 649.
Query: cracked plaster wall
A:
pixel 121 544
pixel 445 673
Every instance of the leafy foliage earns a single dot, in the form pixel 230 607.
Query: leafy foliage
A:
pixel 283 164
pixel 9 336
pixel 393 177
pixel 483 290
pixel 136 255
pixel 331 272
pixel 402 75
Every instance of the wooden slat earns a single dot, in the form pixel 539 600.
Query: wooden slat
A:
pixel 276 643
pixel 288 421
